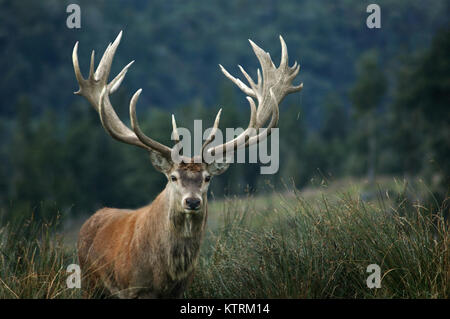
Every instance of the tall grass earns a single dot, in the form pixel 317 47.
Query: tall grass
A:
pixel 321 249
pixel 296 248
pixel 33 261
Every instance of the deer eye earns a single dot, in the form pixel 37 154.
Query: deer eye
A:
pixel 207 178
pixel 173 178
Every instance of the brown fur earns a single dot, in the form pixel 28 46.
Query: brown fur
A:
pixel 193 167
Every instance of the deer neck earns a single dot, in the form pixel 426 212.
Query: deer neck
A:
pixel 181 233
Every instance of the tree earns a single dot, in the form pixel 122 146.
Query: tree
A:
pixel 334 132
pixel 366 97
pixel 421 106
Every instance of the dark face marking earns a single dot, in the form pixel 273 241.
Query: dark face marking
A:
pixel 191 175
pixel 190 179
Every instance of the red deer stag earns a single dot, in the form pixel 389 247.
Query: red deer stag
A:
pixel 151 252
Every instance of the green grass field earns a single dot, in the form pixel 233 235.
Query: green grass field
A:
pixel 316 243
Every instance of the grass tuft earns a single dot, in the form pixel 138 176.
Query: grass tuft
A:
pixel 321 249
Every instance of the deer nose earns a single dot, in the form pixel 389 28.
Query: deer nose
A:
pixel 192 202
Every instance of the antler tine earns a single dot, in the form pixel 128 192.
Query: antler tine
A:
pixel 284 55
pixel 212 134
pixel 238 82
pixel 295 66
pixel 104 67
pixel 97 90
pixel 263 56
pixel 115 83
pixel 76 67
pixel 249 79
pixel 91 65
pixel 175 135
pixel 164 150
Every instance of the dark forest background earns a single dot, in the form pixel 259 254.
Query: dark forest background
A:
pixel 375 101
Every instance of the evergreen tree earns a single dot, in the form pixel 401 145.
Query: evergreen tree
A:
pixel 366 97
pixel 421 109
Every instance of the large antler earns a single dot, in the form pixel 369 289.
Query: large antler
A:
pixel 96 90
pixel 269 91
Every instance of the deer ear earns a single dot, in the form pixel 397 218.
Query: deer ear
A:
pixel 161 163
pixel 216 168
